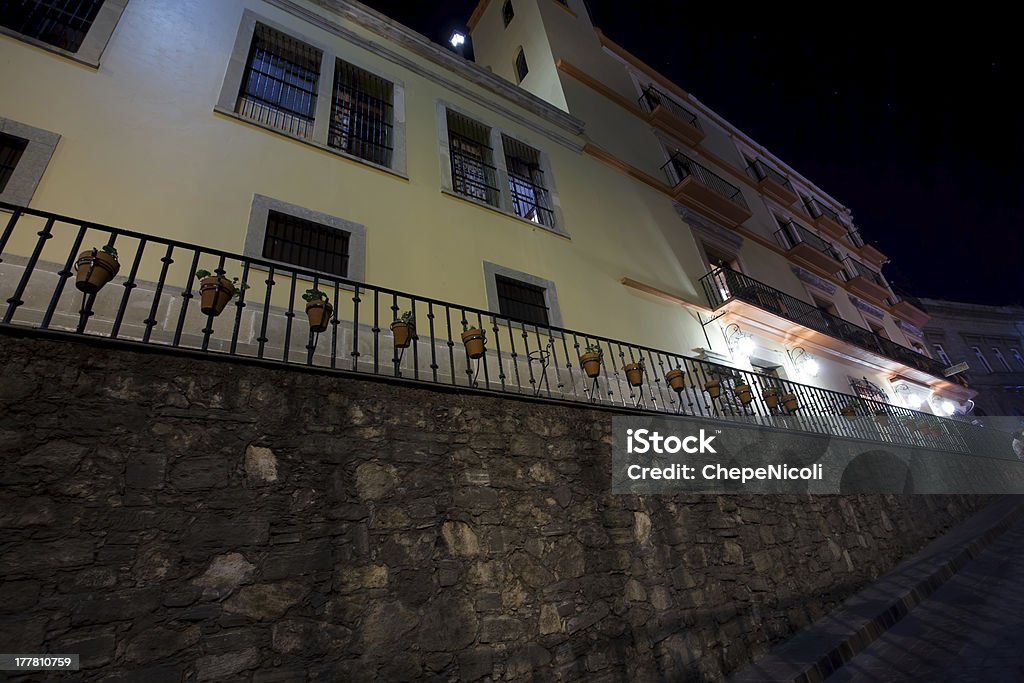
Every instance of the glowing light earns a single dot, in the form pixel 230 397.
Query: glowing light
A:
pixel 745 347
pixel 810 367
pixel 457 39
pixel 914 400
pixel 947 407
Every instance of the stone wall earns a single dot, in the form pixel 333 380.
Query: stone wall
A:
pixel 173 518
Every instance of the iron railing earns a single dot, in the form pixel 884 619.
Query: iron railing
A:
pixel 725 284
pixel 151 300
pixel 679 167
pixel 858 269
pixel 792 233
pixel 651 98
pixel 816 208
pixel 856 239
pixel 758 170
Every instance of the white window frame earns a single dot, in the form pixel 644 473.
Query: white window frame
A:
pixel 941 352
pixel 96 39
pixel 981 356
pixel 1001 358
pixel 235 73
pixel 1017 356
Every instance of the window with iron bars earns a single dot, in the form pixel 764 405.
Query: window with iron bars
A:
pixel 60 23
pixel 521 300
pixel 11 149
pixel 306 244
pixel 361 114
pixel 473 171
pixel 530 197
pixel 279 88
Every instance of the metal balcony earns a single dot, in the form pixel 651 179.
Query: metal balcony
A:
pixel 664 112
pixel 772 183
pixel 866 281
pixel 701 188
pixel 825 219
pixel 808 249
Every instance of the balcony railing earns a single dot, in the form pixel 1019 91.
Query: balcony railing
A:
pixel 724 284
pixel 858 269
pixel 758 170
pixel 651 98
pixel 679 167
pixel 816 208
pixel 152 301
pixel 792 234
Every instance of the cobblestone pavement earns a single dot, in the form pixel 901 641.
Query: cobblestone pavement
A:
pixel 971 629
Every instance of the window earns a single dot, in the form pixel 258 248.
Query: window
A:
pixel 279 88
pixel 941 354
pixel 1001 359
pixel 11 149
pixel 981 357
pixel 521 300
pixel 60 23
pixel 521 68
pixel 361 114
pixel 306 244
pixel 879 330
pixel 1017 357
pixel 506 12
pixel 530 198
pixel 473 171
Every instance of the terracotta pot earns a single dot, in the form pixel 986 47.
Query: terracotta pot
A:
pixel 403 333
pixel 790 403
pixel 634 374
pixel 743 393
pixel 771 398
pixel 95 268
pixel 473 338
pixel 882 420
pixel 319 313
pixel 713 387
pixel 676 379
pixel 216 293
pixel 591 363
pixel 848 413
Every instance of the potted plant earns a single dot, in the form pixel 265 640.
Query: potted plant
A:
pixel 743 393
pixel 634 373
pixel 403 330
pixel 790 402
pixel 216 291
pixel 95 268
pixel 318 309
pixel 474 339
pixel 881 417
pixel 714 387
pixel 911 423
pixel 771 396
pixel 849 411
pixel 591 360
pixel 676 379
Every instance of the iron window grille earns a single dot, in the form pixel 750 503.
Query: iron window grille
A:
pixel 521 68
pixel 530 197
pixel 60 23
pixel 306 244
pixel 279 88
pixel 521 300
pixel 473 171
pixel 11 149
pixel 506 12
pixel 362 114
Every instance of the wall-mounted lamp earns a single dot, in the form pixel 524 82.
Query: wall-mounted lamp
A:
pixel 741 343
pixel 805 363
pixel 911 399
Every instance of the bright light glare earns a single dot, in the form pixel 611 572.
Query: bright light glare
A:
pixel 948 407
pixel 457 39
pixel 914 400
pixel 745 347
pixel 810 367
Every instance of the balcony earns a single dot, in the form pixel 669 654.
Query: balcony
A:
pixel 757 303
pixel 866 282
pixel 665 113
pixel 867 250
pixel 704 190
pixel 808 249
pixel 772 183
pixel 825 219
pixel 153 300
pixel 902 308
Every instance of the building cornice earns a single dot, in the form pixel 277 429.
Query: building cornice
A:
pixel 420 45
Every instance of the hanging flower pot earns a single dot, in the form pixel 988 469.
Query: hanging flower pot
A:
pixel 790 403
pixel 474 340
pixel 848 411
pixel 771 396
pixel 95 268
pixel 318 309
pixel 216 291
pixel 881 418
pixel 591 361
pixel 403 330
pixel 713 387
pixel 634 374
pixel 676 379
pixel 743 393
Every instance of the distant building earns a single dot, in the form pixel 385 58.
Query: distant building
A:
pixel 991 340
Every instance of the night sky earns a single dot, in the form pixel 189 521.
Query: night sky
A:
pixel 917 129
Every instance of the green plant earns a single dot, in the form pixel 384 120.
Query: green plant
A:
pixel 771 391
pixel 314 295
pixel 592 348
pixel 879 411
pixel 852 405
pixel 110 250
pixel 203 274
pixel 407 317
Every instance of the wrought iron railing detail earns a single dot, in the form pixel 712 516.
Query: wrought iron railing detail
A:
pixel 816 208
pixel 651 98
pixel 679 167
pixel 758 170
pixel 725 284
pixel 155 299
pixel 858 269
pixel 792 233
